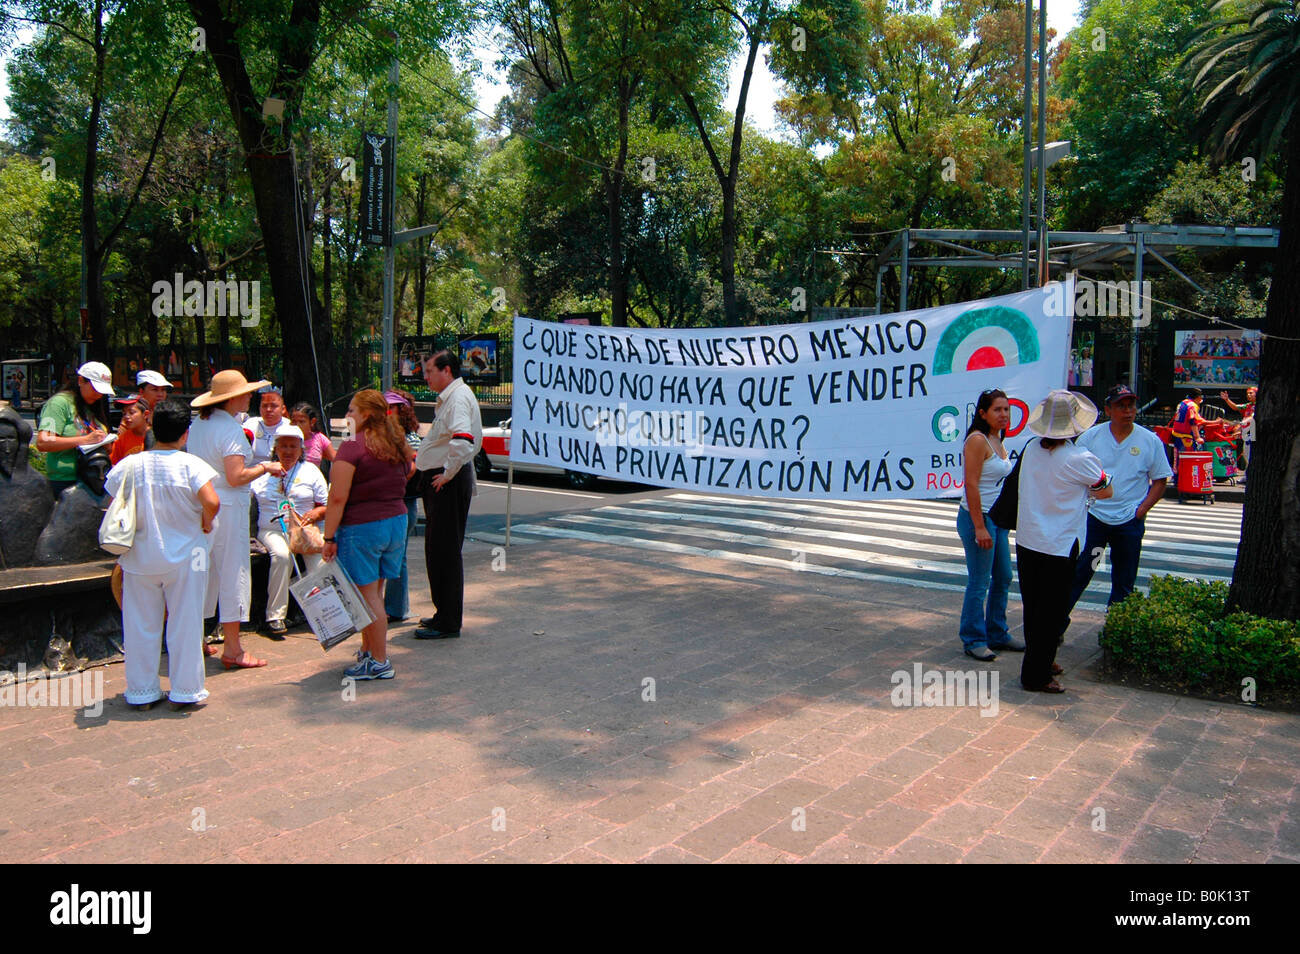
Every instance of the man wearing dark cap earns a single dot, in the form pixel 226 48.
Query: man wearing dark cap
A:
pixel 1135 459
pixel 134 434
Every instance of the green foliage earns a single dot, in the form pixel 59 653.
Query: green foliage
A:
pixel 1128 119
pixel 1247 75
pixel 1181 636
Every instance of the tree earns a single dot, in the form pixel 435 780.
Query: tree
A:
pixel 1247 80
pixel 1127 120
pixel 264 55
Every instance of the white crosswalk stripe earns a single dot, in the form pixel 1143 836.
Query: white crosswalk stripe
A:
pixel 913 542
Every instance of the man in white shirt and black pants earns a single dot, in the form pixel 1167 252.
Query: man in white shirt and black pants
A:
pixel 1135 458
pixel 445 462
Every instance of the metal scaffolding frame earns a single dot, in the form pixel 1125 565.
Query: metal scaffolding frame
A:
pixel 1066 252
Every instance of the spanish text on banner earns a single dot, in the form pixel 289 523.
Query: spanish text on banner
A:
pixel 860 408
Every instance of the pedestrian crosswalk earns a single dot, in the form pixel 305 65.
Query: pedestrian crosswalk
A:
pixel 913 542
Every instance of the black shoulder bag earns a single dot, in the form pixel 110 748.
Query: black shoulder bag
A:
pixel 1003 511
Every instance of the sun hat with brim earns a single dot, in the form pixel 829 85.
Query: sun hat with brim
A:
pixel 1062 414
pixel 227 385
pixel 98 375
pixel 292 430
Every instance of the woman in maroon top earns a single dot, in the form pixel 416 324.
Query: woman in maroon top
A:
pixel 365 519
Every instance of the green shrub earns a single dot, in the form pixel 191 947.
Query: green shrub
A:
pixel 36 459
pixel 1181 636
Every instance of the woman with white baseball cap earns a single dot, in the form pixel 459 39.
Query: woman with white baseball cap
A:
pixel 1057 480
pixel 72 419
pixel 218 439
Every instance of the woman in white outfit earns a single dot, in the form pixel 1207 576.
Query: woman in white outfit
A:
pixel 218 439
pixel 303 487
pixel 1057 479
pixel 163 572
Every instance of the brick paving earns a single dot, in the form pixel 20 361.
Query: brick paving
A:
pixel 767 735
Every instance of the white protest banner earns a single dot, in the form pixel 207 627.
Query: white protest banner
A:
pixel 861 408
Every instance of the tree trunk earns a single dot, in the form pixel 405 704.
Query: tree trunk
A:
pixel 92 265
pixel 1266 578
pixel 276 196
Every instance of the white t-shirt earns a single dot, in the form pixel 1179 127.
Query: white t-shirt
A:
pixel 215 439
pixel 1132 465
pixel 264 436
pixel 307 489
pixel 1053 511
pixel 168 516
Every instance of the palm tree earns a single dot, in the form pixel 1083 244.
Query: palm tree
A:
pixel 1247 86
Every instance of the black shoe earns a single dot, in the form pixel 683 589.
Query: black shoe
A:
pixel 276 628
pixel 425 632
pixel 428 622
pixel 392 620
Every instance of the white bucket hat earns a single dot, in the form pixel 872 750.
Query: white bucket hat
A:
pixel 291 430
pixel 98 375
pixel 1062 414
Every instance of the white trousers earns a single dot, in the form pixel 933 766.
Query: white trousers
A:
pixel 277 588
pixel 145 597
pixel 230 582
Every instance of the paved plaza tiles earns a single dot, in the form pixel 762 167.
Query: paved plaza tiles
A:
pixel 611 703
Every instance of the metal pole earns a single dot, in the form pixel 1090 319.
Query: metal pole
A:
pixel 1042 142
pixel 510 483
pixel 1026 125
pixel 902 275
pixel 1140 252
pixel 880 273
pixel 390 251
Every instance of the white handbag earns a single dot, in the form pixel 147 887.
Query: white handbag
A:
pixel 117 529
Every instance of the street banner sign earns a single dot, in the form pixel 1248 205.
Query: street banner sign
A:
pixel 872 407
pixel 377 177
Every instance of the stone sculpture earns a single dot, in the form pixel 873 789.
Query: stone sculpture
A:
pixel 72 533
pixel 25 497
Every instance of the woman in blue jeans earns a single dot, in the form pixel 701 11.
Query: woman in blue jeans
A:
pixel 988 550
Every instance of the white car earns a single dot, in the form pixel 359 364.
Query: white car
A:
pixel 495 453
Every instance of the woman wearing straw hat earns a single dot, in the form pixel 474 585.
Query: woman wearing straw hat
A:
pixel 218 439
pixel 1057 480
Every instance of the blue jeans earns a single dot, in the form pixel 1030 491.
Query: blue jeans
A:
pixel 396 599
pixel 1125 542
pixel 988 575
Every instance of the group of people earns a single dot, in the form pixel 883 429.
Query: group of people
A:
pixel 199 483
pixel 1080 490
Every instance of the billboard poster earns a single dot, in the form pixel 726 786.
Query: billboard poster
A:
pixel 479 358
pixel 1216 359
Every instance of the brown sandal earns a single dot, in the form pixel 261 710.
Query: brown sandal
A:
pixel 1052 686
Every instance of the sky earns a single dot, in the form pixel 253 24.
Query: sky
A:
pixel 764 89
